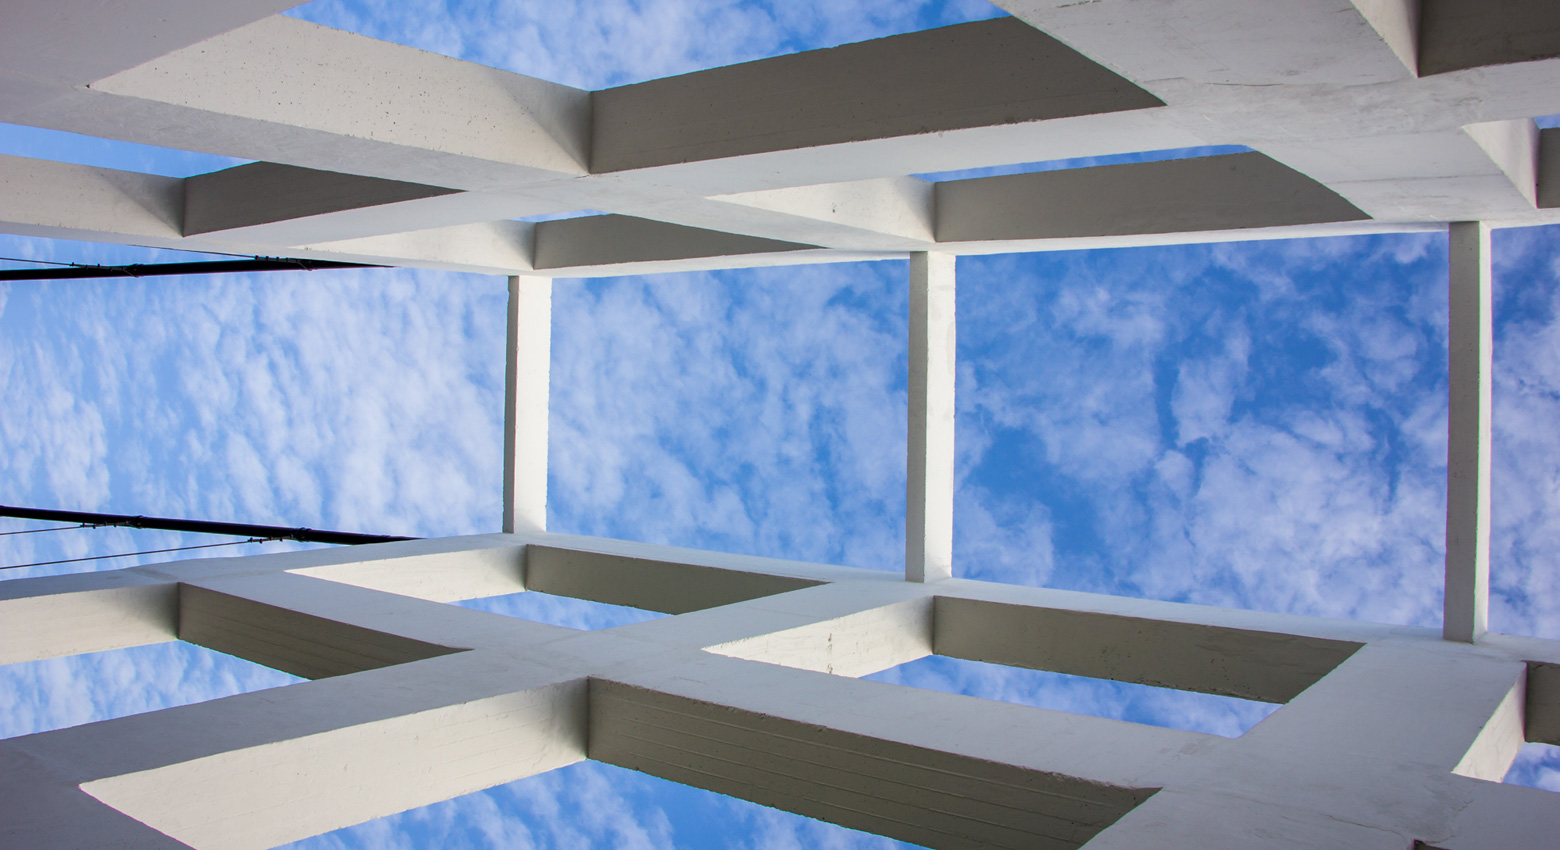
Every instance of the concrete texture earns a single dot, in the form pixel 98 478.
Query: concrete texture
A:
pixel 1470 348
pixel 929 465
pixel 527 361
pixel 1387 734
pixel 1364 116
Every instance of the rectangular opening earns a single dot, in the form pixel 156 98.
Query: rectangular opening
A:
pixel 55 693
pixel 570 613
pixel 596 805
pixel 60 146
pixel 1154 706
pixel 1537 766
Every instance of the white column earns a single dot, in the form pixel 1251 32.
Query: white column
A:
pixel 1470 349
pixel 929 466
pixel 525 404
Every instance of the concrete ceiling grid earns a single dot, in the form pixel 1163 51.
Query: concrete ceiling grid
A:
pixel 1387 734
pixel 430 160
pixel 1362 116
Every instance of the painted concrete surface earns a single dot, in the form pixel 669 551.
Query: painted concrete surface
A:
pixel 1363 116
pixel 1470 346
pixel 1388 734
pixel 705 170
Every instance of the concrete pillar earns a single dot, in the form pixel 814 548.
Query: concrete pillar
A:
pixel 1470 350
pixel 929 465
pixel 525 404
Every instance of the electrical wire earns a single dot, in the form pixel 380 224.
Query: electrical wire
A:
pixel 55 528
pixel 148 552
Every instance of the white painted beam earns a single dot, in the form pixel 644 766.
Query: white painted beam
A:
pixel 929 462
pixel 1470 348
pixel 289 91
pixel 976 74
pixel 527 366
pixel 49 47
pixel 1184 195
pixel 54 616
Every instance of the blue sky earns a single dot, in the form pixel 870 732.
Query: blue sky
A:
pixel 1256 424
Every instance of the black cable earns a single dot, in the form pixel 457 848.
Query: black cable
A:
pixel 55 528
pixel 148 552
pixel 35 262
pixel 234 529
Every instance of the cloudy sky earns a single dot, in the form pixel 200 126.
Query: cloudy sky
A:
pixel 1258 424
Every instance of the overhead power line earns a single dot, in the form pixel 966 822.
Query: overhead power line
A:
pixel 257 264
pixel 133 554
pixel 201 526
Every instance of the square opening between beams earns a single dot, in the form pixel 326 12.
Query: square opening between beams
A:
pixel 1187 675
pixel 56 693
pixel 1537 766
pixel 1230 717
pixel 565 611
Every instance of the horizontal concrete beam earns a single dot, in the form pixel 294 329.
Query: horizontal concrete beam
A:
pixel 1267 666
pixel 934 798
pixel 606 240
pixel 286 90
pixel 857 644
pixel 291 641
pixel 247 197
pixel 1456 35
pixel 1234 191
pixel 49 47
pixel 644 583
pixel 969 75
pixel 55 616
pixel 326 754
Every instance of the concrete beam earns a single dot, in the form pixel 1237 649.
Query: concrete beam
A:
pixel 608 240
pixel 1548 194
pixel 969 75
pixel 55 616
pixel 1234 191
pixel 329 754
pixel 929 467
pixel 255 198
pixel 526 368
pixel 291 641
pixel 285 90
pixel 1456 35
pixel 1228 42
pixel 1267 666
pixel 647 583
pixel 803 755
pixel 50 47
pixel 1513 147
pixel 857 644
pixel 59 200
pixel 1470 347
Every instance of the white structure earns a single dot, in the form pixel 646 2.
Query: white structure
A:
pixel 1362 116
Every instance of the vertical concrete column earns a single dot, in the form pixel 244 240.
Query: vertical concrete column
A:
pixel 929 466
pixel 525 404
pixel 1470 348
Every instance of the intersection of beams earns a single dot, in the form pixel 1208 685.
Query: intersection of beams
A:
pixel 1385 735
pixel 370 151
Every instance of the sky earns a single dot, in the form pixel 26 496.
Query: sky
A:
pixel 1258 424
